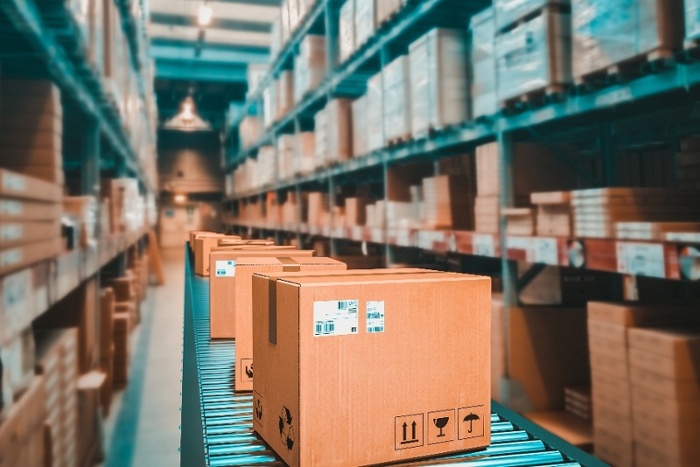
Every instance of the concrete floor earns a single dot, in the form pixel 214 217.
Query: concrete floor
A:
pixel 143 428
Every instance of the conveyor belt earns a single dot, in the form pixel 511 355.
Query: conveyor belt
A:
pixel 227 432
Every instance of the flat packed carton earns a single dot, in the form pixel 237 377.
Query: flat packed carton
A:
pixel 342 344
pixel 242 309
pixel 223 281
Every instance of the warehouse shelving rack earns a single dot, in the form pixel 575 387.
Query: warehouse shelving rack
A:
pixel 658 107
pixel 39 40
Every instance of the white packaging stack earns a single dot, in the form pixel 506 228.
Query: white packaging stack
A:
pixel 321 143
pixel 608 33
pixel 266 165
pixel 387 8
pixel 401 215
pixel 285 156
pixel 249 131
pixel 508 12
pixel 365 21
pixel 293 6
pixel 438 80
pixel 653 230
pixel 397 99
pixel 535 56
pixel 483 60
pixel 347 30
pixel 269 105
pixel 284 94
pixel 375 114
pixel 360 126
pixel 309 65
pixel 339 121
pixel 596 211
pixel 692 19
pixel 306 146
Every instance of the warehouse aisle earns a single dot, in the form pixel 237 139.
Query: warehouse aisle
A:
pixel 145 430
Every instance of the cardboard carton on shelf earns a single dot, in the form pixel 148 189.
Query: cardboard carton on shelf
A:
pixel 363 318
pixel 21 431
pixel 222 285
pixel 483 62
pixel 122 353
pixel 89 387
pixel 347 30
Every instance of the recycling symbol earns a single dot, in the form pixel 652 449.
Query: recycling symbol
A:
pixel 258 410
pixel 286 428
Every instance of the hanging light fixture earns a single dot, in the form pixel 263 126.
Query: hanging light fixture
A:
pixel 187 119
pixel 204 14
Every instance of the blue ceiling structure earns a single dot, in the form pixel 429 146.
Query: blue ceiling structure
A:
pixel 209 62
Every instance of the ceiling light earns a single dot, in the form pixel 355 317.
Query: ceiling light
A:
pixel 180 199
pixel 204 15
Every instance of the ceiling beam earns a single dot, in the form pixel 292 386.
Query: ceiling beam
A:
pixel 178 49
pixel 216 23
pixel 218 36
pixel 240 11
pixel 198 70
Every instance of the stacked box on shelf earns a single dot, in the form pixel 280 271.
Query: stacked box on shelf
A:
pixel 355 211
pixel 375 214
pixel 318 206
pixel 120 338
pixel 284 21
pixel 365 21
pixel 321 141
pixel 22 429
pixel 269 105
pixel 30 211
pixel 284 93
pixel 510 12
pixel 396 78
pixel 57 357
pixel 376 125
pixel 17 357
pixel 83 212
pixel 519 221
pixel 577 401
pixel 535 56
pixel 360 126
pixel 285 156
pixel 606 34
pixel 339 130
pixel 249 131
pixel 653 230
pixel 276 36
pixel 31 129
pixel 89 387
pixel 346 28
pixel 554 215
pixel 386 9
pixel 439 92
pixel 290 210
pixel 401 215
pixel 608 325
pixel 306 145
pixel 447 203
pixel 688 162
pixel 483 61
pixel 266 165
pixel 293 7
pixel 665 395
pixel 597 211
pixel 106 345
pixel 309 65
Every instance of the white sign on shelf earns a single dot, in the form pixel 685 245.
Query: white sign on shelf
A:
pixel 642 259
pixel 403 237
pixel 545 251
pixel 484 245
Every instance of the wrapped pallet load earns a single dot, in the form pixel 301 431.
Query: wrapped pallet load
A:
pixel 365 21
pixel 309 65
pixel 606 34
pixel 535 56
pixel 438 72
pixel 483 61
pixel 375 113
pixel 510 12
pixel 347 30
pixel 397 100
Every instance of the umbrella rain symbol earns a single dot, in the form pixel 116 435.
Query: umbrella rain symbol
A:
pixel 470 418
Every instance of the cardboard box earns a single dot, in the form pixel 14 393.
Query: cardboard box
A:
pixel 679 369
pixel 651 456
pixel 89 421
pixel 242 309
pixel 19 427
pixel 634 314
pixel 322 324
pixel 601 363
pixel 203 244
pixel 665 427
pixel 18 186
pixel 18 257
pixel 346 30
pixel 20 210
pixel 14 233
pixel 611 447
pixel 674 410
pixel 665 387
pixel 677 344
pixel 122 326
pixel 223 285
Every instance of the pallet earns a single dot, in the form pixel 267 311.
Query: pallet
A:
pixel 648 63
pixel 535 98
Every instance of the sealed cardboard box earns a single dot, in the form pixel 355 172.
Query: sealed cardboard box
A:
pixel 203 244
pixel 634 314
pixel 678 344
pixel 19 426
pixel 358 336
pixel 222 285
pixel 242 309
pixel 18 186
pixel 17 257
pixel 651 456
pixel 666 387
pixel 679 369
pixel 614 448
pixel 20 210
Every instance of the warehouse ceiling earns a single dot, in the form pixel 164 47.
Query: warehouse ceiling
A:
pixel 207 62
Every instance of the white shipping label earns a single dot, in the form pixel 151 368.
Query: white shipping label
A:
pixel 10 208
pixel 225 268
pixel 14 182
pixel 11 232
pixel 642 259
pixel 545 251
pixel 10 257
pixel 484 245
pixel 335 318
pixel 375 316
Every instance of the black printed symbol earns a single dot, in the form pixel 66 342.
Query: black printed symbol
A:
pixel 412 438
pixel 441 423
pixel 258 409
pixel 409 431
pixel 249 370
pixel 470 418
pixel 286 429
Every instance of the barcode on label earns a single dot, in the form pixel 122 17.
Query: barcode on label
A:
pixel 335 318
pixel 375 316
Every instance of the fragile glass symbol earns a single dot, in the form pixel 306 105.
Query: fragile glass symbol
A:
pixel 470 418
pixel 441 423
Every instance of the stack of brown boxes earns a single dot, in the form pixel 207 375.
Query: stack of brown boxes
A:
pixel 665 395
pixel 31 129
pixel 447 203
pixel 519 221
pixel 57 355
pixel 125 297
pixel 317 208
pixel 553 213
pixel 22 431
pixel 306 323
pixel 30 221
pixel 107 346
pixel 89 387
pixel 608 325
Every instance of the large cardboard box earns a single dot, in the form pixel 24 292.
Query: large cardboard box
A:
pixel 18 257
pixel 483 63
pixel 89 421
pixel 358 336
pixel 242 309
pixel 203 243
pixel 18 186
pixel 19 427
pixel 20 210
pixel 223 282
